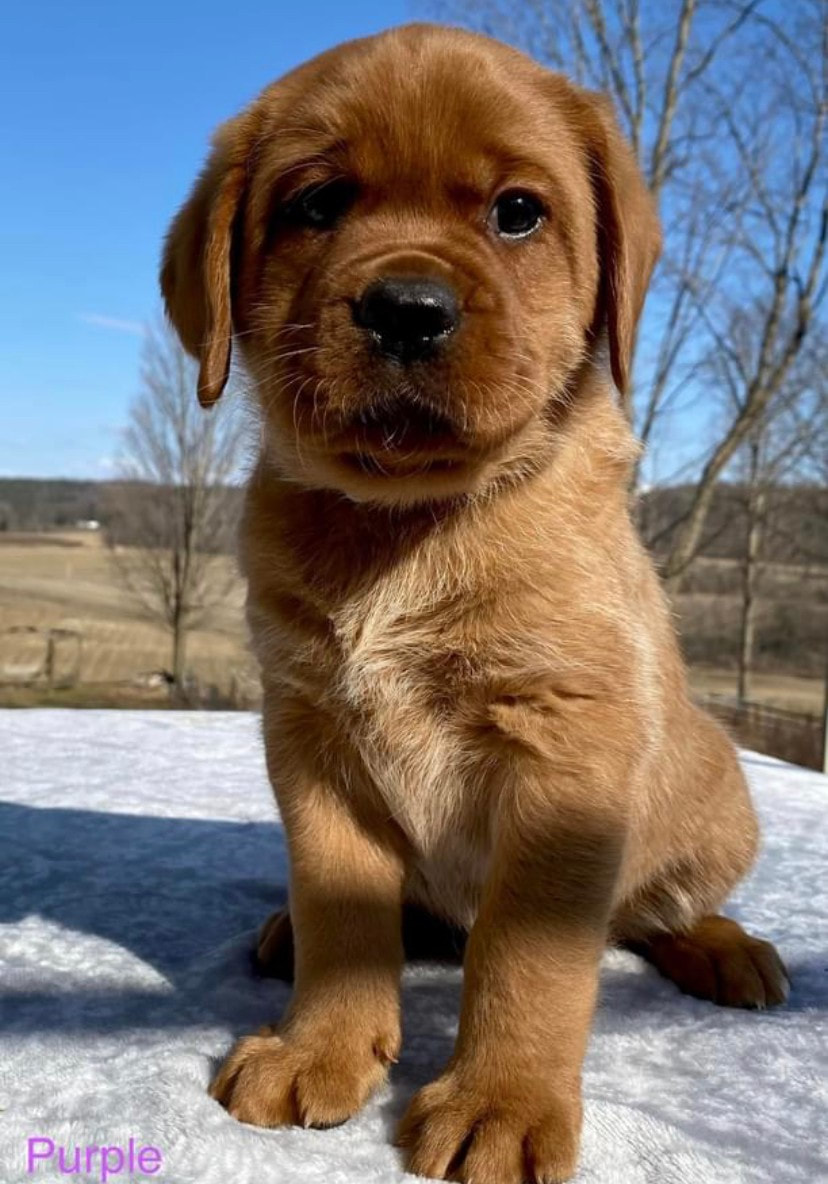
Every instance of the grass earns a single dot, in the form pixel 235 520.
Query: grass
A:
pixel 84 695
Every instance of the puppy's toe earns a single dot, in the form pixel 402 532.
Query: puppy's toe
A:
pixel 256 1083
pixel 751 975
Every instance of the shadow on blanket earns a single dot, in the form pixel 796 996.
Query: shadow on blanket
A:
pixel 186 896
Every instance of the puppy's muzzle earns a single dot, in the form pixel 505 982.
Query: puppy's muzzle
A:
pixel 409 318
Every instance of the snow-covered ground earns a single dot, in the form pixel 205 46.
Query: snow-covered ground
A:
pixel 140 851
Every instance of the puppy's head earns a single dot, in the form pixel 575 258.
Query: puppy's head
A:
pixel 413 241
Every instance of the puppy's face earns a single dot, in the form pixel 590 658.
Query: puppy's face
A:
pixel 413 241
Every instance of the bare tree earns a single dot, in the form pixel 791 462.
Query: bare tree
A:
pixel 172 513
pixel 775 452
pixel 724 106
pixel 773 469
pixel 778 262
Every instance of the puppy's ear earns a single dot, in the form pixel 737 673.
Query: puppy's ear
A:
pixel 629 233
pixel 195 270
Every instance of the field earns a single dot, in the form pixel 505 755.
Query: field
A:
pixel 66 581
pixel 785 692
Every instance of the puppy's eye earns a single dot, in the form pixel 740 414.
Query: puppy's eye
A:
pixel 321 206
pixel 516 213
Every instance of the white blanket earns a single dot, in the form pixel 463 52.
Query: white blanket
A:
pixel 139 851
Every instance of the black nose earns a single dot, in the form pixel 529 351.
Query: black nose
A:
pixel 408 316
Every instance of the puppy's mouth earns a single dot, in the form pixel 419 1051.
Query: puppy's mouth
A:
pixel 399 422
pixel 387 464
pixel 401 437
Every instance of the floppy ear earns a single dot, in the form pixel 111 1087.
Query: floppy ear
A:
pixel 629 234
pixel 195 270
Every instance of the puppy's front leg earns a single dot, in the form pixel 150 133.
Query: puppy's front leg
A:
pixel 508 1106
pixel 343 1028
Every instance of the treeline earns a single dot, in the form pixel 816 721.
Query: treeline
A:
pixel 35 504
pixel 795 522
pixel 797 515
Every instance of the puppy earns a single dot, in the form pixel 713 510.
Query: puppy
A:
pixel 431 255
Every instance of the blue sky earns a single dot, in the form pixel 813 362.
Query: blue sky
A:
pixel 107 108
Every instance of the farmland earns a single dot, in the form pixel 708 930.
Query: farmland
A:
pixel 65 580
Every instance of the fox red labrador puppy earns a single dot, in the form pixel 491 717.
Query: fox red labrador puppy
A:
pixel 430 255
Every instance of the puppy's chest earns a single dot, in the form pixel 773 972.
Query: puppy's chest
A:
pixel 402 684
pixel 407 689
pixel 395 676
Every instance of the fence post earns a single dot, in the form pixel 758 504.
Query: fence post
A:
pixel 825 724
pixel 50 661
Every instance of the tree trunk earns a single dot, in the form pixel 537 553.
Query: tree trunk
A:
pixel 753 545
pixel 688 535
pixel 179 656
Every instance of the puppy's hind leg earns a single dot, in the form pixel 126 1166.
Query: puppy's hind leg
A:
pixel 673 920
pixel 274 947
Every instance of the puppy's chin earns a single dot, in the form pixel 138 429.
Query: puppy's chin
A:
pixel 372 479
pixel 388 480
pixel 407 479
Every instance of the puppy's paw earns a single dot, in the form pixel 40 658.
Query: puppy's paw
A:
pixel 320 1081
pixel 456 1129
pixel 717 960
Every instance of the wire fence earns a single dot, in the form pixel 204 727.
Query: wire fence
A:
pixel 46 665
pixel 790 735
